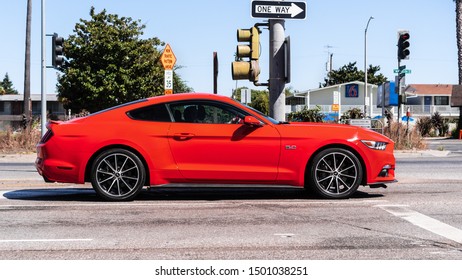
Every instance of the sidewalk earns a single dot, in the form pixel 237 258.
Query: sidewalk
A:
pixel 19 158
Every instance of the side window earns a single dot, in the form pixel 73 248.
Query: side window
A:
pixel 206 112
pixel 156 113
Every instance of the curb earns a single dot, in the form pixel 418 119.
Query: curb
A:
pixel 423 153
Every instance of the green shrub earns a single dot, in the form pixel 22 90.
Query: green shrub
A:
pixel 307 115
pixel 424 126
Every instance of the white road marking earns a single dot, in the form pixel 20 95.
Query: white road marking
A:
pixel 424 222
pixel 43 240
pixel 285 235
pixel 2 194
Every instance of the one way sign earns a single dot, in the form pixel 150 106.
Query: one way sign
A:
pixel 278 9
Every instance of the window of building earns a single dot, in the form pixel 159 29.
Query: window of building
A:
pixel 441 100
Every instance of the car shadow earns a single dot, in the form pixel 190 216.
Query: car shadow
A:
pixel 177 193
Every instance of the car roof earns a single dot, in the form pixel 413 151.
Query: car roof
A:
pixel 188 96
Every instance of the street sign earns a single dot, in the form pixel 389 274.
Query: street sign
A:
pixel 168 82
pixel 279 9
pixel 405 71
pixel 336 98
pixel 245 95
pixel 168 58
pixel 366 123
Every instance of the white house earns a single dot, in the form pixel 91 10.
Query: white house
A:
pixel 337 99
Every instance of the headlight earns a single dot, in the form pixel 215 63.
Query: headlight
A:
pixel 375 144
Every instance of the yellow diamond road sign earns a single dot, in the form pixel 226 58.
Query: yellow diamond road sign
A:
pixel 168 58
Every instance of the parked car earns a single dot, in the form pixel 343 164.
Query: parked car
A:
pixel 208 138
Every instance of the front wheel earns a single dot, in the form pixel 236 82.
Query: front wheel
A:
pixel 335 173
pixel 117 175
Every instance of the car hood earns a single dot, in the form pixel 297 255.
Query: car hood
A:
pixel 329 130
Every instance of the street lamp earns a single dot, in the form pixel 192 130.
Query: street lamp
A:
pixel 365 64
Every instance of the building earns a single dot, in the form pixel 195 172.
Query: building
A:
pixel 336 100
pixel 11 108
pixel 422 100
pixel 426 99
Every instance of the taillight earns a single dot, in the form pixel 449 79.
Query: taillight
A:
pixel 47 136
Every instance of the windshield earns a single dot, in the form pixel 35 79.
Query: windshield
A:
pixel 273 121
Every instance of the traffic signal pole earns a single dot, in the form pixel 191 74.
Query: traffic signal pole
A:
pixel 403 54
pixel 277 79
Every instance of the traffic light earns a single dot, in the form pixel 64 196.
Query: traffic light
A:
pixel 403 45
pixel 57 58
pixel 247 70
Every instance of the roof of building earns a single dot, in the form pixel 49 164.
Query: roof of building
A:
pixel 430 89
pixel 33 97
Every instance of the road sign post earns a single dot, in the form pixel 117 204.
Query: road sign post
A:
pixel 168 60
pixel 277 12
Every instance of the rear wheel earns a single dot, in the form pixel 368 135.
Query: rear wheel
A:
pixel 117 175
pixel 335 173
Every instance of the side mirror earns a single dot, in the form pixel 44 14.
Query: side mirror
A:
pixel 252 121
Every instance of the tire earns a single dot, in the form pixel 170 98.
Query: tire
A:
pixel 117 175
pixel 335 173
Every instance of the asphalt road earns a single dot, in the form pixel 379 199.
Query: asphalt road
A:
pixel 418 218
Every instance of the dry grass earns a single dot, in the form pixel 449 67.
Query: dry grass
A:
pixel 22 141
pixel 405 139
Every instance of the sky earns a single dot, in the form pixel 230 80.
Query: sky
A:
pixel 196 29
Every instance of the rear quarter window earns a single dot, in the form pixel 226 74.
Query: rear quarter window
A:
pixel 156 113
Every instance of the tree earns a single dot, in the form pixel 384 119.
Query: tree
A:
pixel 459 50
pixel 6 86
pixel 259 99
pixel 350 72
pixel 109 64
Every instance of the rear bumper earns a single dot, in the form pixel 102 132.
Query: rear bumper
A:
pixel 55 170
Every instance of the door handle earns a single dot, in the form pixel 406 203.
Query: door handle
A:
pixel 183 136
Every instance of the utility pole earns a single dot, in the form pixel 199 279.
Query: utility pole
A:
pixel 27 101
pixel 329 59
pixel 44 67
pixel 277 79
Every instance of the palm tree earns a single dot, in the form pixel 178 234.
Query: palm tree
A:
pixel 459 49
pixel 27 109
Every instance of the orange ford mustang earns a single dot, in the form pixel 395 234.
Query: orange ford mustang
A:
pixel 207 138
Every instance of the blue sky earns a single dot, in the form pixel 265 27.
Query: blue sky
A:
pixel 195 29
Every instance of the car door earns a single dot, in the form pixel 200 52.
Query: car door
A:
pixel 210 143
